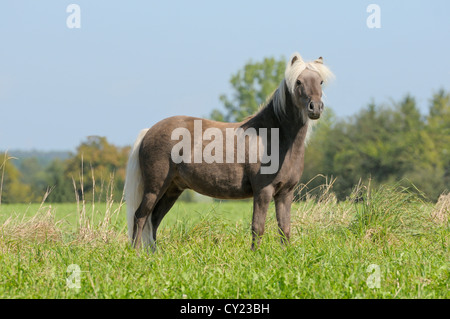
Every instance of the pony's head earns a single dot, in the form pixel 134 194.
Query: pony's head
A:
pixel 303 82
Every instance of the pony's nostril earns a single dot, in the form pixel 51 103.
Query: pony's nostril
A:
pixel 311 106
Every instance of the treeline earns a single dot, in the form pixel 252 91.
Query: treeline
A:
pixel 95 171
pixel 383 143
pixel 386 144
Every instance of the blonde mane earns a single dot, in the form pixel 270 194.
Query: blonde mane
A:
pixel 293 70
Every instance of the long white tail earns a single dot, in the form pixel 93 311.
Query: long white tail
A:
pixel 134 188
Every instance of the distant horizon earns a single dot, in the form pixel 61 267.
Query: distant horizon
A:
pixel 388 103
pixel 12 151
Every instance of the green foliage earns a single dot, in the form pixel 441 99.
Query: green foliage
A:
pixel 251 85
pixel 12 190
pixel 94 165
pixel 95 168
pixel 34 175
pixel 438 128
pixel 385 144
pixel 63 191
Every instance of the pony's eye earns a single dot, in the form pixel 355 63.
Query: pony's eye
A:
pixel 299 83
pixel 321 82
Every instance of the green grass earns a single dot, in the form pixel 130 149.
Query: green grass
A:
pixel 204 251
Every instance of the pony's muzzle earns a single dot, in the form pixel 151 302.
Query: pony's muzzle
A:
pixel 315 109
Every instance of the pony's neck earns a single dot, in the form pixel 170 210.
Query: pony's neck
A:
pixel 293 119
pixel 294 127
pixel 291 124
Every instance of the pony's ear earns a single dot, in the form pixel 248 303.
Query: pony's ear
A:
pixel 294 58
pixel 319 60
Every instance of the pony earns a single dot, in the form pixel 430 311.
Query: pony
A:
pixel 161 165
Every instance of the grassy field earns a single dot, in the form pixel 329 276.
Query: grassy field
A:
pixel 388 244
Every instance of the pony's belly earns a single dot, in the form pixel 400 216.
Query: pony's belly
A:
pixel 225 193
pixel 216 180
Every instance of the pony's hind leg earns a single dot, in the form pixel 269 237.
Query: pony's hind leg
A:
pixel 163 206
pixel 147 220
pixel 141 218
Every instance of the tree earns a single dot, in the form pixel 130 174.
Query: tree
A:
pixel 252 86
pixel 386 144
pixel 438 127
pixel 12 190
pixel 34 175
pixel 96 164
pixel 57 180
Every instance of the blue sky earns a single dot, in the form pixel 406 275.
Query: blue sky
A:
pixel 133 63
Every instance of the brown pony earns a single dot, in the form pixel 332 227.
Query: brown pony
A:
pixel 180 153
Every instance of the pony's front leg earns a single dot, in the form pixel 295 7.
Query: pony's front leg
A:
pixel 283 202
pixel 261 202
